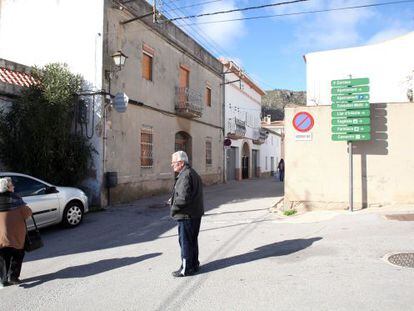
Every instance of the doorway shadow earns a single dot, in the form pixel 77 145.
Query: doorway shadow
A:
pixel 86 270
pixel 271 250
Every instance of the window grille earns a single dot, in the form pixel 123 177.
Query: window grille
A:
pixel 209 160
pixel 146 147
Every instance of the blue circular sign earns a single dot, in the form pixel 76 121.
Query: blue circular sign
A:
pixel 303 121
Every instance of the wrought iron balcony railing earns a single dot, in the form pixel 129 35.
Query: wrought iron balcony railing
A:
pixel 260 136
pixel 236 128
pixel 188 102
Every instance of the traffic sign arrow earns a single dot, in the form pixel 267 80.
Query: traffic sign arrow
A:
pixel 351 121
pixel 352 105
pixel 351 137
pixel 351 113
pixel 351 90
pixel 352 129
pixel 344 98
pixel 349 82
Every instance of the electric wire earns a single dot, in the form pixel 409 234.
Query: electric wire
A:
pixel 194 5
pixel 305 12
pixel 216 48
pixel 239 10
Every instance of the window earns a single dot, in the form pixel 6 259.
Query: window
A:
pixel 25 187
pixel 209 160
pixel 208 96
pixel 266 163
pixel 184 76
pixel 147 66
pixel 146 147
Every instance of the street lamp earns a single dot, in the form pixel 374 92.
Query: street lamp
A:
pixel 119 59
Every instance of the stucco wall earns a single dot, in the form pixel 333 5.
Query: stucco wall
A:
pixel 124 150
pixel 270 148
pixel 158 109
pixel 160 92
pixel 317 170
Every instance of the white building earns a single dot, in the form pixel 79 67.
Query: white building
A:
pixel 388 65
pixel 242 123
pixel 273 149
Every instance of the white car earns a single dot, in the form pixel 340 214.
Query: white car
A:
pixel 50 204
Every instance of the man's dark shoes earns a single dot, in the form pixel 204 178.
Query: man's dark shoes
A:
pixel 180 274
pixel 14 282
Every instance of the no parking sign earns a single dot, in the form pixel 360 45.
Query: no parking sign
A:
pixel 303 122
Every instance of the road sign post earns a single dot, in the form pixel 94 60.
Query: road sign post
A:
pixel 350 116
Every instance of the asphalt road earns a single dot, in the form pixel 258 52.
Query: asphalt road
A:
pixel 122 258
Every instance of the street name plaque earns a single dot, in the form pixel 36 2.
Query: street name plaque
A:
pixel 353 105
pixel 351 137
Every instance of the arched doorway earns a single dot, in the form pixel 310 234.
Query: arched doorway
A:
pixel 183 142
pixel 245 161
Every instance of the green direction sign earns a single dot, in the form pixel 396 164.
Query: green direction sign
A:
pixel 351 113
pixel 351 137
pixel 351 121
pixel 353 105
pixel 349 82
pixel 345 98
pixel 351 90
pixel 352 129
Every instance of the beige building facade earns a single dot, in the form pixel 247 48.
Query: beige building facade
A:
pixel 317 171
pixel 317 168
pixel 174 87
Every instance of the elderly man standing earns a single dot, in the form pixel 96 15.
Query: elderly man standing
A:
pixel 187 207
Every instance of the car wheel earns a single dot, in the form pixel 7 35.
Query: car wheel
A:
pixel 72 215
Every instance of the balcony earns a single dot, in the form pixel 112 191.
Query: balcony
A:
pixel 236 128
pixel 188 103
pixel 260 136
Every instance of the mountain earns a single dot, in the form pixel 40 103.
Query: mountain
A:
pixel 274 101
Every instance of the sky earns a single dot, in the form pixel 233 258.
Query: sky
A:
pixel 271 50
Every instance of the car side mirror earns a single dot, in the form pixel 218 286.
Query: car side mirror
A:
pixel 51 189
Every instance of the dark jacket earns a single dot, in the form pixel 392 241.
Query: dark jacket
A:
pixel 187 197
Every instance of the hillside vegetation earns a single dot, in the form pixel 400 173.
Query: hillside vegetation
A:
pixel 274 101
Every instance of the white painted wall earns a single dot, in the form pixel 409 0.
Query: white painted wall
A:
pixel 244 104
pixel 271 148
pixel 388 66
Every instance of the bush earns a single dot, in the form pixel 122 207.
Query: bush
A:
pixel 289 212
pixel 36 131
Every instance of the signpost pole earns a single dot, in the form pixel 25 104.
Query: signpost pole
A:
pixel 351 177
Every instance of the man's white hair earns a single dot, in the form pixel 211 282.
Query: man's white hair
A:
pixel 180 156
pixel 4 184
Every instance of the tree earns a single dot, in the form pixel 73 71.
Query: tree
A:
pixel 36 131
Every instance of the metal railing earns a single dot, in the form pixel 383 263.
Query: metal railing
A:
pixel 236 128
pixel 188 102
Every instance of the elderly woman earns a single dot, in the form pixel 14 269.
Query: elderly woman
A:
pixel 13 213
